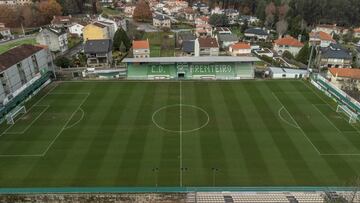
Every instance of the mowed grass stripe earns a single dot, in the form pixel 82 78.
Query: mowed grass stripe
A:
pixel 138 136
pixel 234 158
pixel 295 162
pixel 152 149
pixel 254 161
pixel 211 145
pixel 169 167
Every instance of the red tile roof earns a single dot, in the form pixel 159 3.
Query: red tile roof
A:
pixel 208 42
pixel 322 36
pixel 357 30
pixel 141 44
pixel 345 72
pixel 241 45
pixel 289 41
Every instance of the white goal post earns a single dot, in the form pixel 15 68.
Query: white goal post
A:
pixel 10 117
pixel 344 109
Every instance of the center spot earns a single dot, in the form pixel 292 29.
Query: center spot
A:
pixel 180 118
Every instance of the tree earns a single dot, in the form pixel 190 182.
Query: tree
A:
pixel 142 12
pixel 244 26
pixel 288 55
pixel 1 36
pixel 218 20
pixel 304 54
pixel 49 8
pixel 62 62
pixel 270 12
pixel 121 37
pixel 281 27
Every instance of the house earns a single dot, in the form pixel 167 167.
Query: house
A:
pixel 357 33
pixel 129 10
pixel 357 57
pixel 189 14
pixel 201 7
pixel 188 48
pixel 345 78
pixel 114 23
pixel 54 38
pixel 232 15
pixel 203 30
pixel 321 38
pixel 5 32
pixel 202 20
pixel 221 30
pixel 77 29
pixel 334 56
pixel 217 10
pixel 256 34
pixel 206 47
pixel 264 52
pixel 161 21
pixel 289 44
pixel 96 30
pixel 249 19
pixel 329 29
pixel 15 2
pixel 240 49
pixel 20 66
pixel 61 21
pixel 98 52
pixel 185 36
pixel 226 40
pixel 141 48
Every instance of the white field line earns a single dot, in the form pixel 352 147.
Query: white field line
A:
pixel 64 127
pixel 327 118
pixel 316 149
pixel 284 120
pixel 27 127
pixel 78 121
pixel 180 137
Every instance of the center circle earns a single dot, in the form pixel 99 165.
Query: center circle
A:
pixel 180 118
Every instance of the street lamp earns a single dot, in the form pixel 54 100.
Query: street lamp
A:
pixel 214 170
pixel 156 171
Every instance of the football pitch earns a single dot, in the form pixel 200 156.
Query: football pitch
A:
pixel 181 133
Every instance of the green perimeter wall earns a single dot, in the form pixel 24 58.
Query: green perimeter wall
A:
pixel 224 71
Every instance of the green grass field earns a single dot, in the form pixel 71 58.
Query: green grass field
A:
pixel 6 46
pixel 256 133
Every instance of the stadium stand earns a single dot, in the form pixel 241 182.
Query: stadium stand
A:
pixel 260 197
pixel 221 68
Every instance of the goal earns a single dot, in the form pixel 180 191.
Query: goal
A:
pixel 10 117
pixel 345 110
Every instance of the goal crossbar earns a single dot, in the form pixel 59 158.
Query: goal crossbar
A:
pixel 353 117
pixel 10 117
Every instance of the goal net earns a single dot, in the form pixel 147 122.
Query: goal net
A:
pixel 345 110
pixel 10 117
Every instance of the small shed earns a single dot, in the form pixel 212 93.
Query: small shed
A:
pixel 287 73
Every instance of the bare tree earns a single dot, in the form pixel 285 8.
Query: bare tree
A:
pixel 281 27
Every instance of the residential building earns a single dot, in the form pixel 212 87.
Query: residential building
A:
pixel 161 21
pixel 334 56
pixel 5 32
pixel 256 34
pixel 357 33
pixel 54 38
pixel 232 15
pixel 329 29
pixel 98 52
pixel 189 14
pixel 289 44
pixel 206 47
pixel 77 29
pixel 61 21
pixel 252 20
pixel 188 48
pixel 96 30
pixel 357 57
pixel 129 10
pixel 203 30
pixel 221 30
pixel 114 23
pixel 185 36
pixel 345 78
pixel 201 7
pixel 141 48
pixel 321 38
pixel 226 40
pixel 240 49
pixel 217 10
pixel 19 66
pixel 202 20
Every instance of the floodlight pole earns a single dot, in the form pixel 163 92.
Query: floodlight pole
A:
pixel 156 171
pixel 214 174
